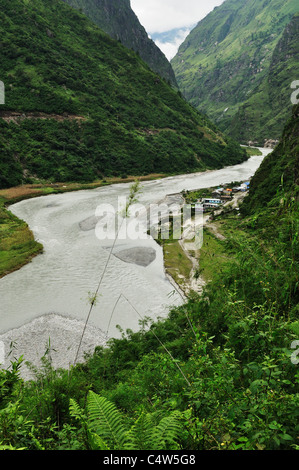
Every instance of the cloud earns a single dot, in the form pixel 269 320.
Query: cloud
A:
pixel 170 46
pixel 164 15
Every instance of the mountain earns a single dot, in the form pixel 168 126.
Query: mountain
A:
pixel 265 112
pixel 117 19
pixel 237 66
pixel 277 179
pixel 80 106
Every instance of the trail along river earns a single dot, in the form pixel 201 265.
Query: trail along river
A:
pixel 48 298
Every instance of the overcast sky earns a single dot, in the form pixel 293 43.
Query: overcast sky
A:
pixel 158 16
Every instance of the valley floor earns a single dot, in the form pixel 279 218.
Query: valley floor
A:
pixel 17 244
pixel 192 269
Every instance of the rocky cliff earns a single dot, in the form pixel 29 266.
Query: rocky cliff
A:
pixel 117 19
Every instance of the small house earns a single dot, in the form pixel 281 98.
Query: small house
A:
pixel 207 206
pixel 227 193
pixel 211 201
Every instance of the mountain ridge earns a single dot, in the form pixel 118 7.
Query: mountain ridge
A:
pixel 55 61
pixel 117 19
pixel 265 112
pixel 278 175
pixel 226 60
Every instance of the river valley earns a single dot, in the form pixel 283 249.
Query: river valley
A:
pixel 47 300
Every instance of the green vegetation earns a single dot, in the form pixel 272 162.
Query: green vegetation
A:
pixel 117 19
pixel 265 111
pixel 80 106
pixel 217 373
pixel 177 264
pixel 237 66
pixel 278 173
pixel 106 428
pixel 213 258
pixel 17 244
pixel 252 151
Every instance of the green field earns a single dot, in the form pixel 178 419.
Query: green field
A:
pixel 17 244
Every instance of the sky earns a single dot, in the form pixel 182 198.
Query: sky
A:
pixel 160 16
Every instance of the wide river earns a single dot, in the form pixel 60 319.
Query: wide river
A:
pixel 55 286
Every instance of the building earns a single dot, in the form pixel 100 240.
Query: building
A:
pixel 211 201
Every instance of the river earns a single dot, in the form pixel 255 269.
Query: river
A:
pixel 48 298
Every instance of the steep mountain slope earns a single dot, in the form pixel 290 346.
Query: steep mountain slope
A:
pixel 235 54
pixel 117 19
pixel 277 179
pixel 80 106
pixel 266 110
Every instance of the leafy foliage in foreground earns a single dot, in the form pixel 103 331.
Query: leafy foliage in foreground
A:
pixel 80 106
pixel 235 388
pixel 106 430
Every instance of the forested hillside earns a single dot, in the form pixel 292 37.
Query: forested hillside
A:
pixel 278 174
pixel 117 19
pixel 264 113
pixel 80 106
pixel 237 66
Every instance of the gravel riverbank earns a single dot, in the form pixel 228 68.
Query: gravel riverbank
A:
pixel 57 334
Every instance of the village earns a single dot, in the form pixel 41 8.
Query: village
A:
pixel 208 200
pixel 215 198
pixel 181 254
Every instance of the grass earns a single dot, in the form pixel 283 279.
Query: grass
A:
pixel 25 191
pixel 213 256
pixel 252 151
pixel 176 262
pixel 17 244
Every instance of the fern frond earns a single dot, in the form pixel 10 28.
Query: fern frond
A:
pixel 105 420
pixel 76 411
pixel 137 437
pixel 96 442
pixel 166 433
